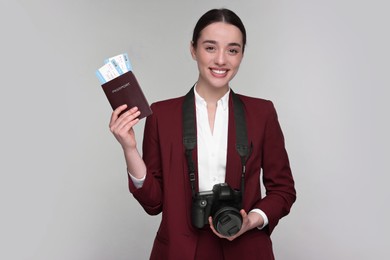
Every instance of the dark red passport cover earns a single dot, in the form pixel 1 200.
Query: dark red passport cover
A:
pixel 126 90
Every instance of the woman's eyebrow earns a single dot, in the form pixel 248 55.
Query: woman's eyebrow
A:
pixel 209 41
pixel 215 42
pixel 234 44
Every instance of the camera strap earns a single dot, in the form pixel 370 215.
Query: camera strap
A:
pixel 189 134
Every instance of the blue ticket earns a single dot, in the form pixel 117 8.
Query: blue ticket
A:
pixel 122 60
pixel 109 71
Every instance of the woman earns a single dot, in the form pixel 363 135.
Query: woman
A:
pixel 160 180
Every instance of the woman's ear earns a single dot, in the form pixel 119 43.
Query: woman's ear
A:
pixel 192 50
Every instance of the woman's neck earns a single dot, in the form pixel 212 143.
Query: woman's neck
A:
pixel 211 94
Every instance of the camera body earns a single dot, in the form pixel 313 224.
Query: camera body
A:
pixel 223 204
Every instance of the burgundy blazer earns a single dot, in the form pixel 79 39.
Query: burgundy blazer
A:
pixel 167 190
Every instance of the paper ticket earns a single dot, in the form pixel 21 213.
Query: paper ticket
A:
pixel 122 60
pixel 109 71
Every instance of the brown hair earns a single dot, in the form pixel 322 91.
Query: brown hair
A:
pixel 218 15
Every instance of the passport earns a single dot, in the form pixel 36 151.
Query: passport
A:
pixel 125 89
pixel 121 86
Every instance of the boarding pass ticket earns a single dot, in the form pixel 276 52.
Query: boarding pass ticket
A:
pixel 113 67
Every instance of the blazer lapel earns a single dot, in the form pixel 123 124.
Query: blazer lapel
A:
pixel 233 161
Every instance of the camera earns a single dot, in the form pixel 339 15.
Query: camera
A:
pixel 223 204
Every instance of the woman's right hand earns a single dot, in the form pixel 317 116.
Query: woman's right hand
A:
pixel 122 126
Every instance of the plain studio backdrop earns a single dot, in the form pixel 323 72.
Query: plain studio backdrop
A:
pixel 63 186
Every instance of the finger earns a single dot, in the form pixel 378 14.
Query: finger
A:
pixel 116 112
pixel 116 121
pixel 211 225
pixel 213 229
pixel 129 112
pixel 125 130
pixel 128 120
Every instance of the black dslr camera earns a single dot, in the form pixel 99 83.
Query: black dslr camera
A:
pixel 223 204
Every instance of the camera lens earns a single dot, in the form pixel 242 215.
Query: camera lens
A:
pixel 227 221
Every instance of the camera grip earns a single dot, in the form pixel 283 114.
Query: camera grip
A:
pixel 200 212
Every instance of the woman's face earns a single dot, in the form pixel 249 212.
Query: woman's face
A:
pixel 218 54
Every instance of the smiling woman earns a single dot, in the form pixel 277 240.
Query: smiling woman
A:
pixel 193 190
pixel 218 53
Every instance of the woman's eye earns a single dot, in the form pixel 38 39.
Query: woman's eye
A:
pixel 233 51
pixel 210 48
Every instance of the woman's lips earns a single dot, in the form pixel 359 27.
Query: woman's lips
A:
pixel 219 72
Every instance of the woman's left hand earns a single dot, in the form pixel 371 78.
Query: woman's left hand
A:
pixel 249 221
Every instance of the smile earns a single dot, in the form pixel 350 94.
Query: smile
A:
pixel 218 72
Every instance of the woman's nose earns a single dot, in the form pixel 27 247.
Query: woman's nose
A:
pixel 220 58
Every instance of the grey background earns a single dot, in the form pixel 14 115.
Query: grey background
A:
pixel 63 186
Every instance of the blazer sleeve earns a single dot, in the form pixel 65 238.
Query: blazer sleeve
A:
pixel 150 194
pixel 277 177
